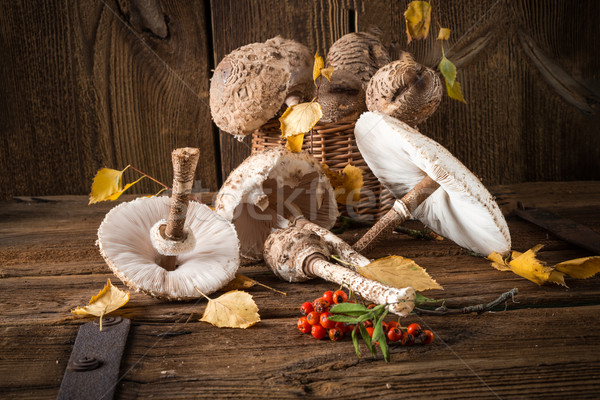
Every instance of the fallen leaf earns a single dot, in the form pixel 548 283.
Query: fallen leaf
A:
pixel 243 282
pixel 444 34
pixel 327 73
pixel 108 185
pixel 300 118
pixel 346 183
pixel 529 267
pixel 234 309
pixel 418 20
pixel 318 66
pixel 118 194
pixel 455 92
pixel 399 272
pixel 294 143
pixel 107 300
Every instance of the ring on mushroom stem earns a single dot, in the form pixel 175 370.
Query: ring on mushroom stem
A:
pixel 432 185
pixel 296 255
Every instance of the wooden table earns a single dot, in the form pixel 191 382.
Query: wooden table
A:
pixel 547 344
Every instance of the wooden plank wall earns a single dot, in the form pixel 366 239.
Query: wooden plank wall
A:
pixel 107 83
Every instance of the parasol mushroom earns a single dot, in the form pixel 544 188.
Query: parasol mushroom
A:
pixel 252 84
pixel 431 185
pixel 342 97
pixel 360 53
pixel 168 247
pixel 296 255
pixel 270 188
pixel 406 90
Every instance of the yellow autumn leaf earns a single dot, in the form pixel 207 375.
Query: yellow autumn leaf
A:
pixel 243 282
pixel 399 272
pixel 529 267
pixel 107 300
pixel 327 73
pixel 300 118
pixel 455 92
pixel 418 20
pixel 346 184
pixel 234 309
pixel 444 34
pixel 294 143
pixel 318 66
pixel 106 182
pixel 118 194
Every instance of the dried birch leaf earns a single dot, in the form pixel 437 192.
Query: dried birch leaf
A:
pixel 418 20
pixel 300 118
pixel 444 34
pixel 346 184
pixel 108 185
pixel 107 300
pixel 399 272
pixel 234 309
pixel 319 68
pixel 243 282
pixel 294 143
pixel 580 268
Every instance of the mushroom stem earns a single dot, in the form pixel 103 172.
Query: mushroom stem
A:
pixel 401 301
pixel 184 169
pixel 338 246
pixel 398 214
pixel 292 99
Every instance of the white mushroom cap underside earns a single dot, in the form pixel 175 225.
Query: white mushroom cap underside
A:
pixel 125 244
pixel 461 209
pixel 255 194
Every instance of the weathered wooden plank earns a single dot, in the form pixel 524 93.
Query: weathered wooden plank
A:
pixel 512 354
pixel 94 84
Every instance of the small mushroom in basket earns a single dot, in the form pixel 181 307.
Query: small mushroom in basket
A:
pixel 168 247
pixel 406 90
pixel 270 188
pixel 360 53
pixel 254 82
pixel 431 185
pixel 341 98
pixel 297 255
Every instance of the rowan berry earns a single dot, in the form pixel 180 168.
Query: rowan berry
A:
pixel 303 325
pixel 306 308
pixel 384 325
pixel 313 318
pixel 343 326
pixel 368 323
pixel 393 324
pixel 427 336
pixel 321 305
pixel 318 332
pixel 394 334
pixel 339 296
pixel 414 329
pixel 370 331
pixel 328 295
pixel 325 322
pixel 407 339
pixel 335 334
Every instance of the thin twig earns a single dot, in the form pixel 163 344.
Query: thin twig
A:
pixel 479 308
pixel 149 177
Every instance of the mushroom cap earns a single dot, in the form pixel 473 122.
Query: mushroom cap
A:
pixel 406 90
pixel 360 53
pixel 461 209
pixel 259 196
pixel 342 96
pixel 126 245
pixel 250 84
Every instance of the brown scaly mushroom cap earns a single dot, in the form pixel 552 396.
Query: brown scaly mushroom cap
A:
pixel 268 189
pixel 360 53
pixel 341 97
pixel 251 84
pixel 406 90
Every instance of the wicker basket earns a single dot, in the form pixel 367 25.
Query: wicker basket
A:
pixel 334 145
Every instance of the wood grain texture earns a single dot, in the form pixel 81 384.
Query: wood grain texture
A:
pixel 50 264
pixel 93 84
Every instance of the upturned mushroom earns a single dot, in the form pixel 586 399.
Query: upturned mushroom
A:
pixel 431 185
pixel 253 83
pixel 297 255
pixel 406 90
pixel 168 247
pixel 270 188
pixel 359 53
pixel 341 98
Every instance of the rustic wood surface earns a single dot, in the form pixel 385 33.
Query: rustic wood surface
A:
pixel 545 345
pixel 98 84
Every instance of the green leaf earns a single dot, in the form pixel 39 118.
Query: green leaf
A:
pixel 385 350
pixel 347 308
pixel 420 299
pixel 378 332
pixel 355 342
pixel 343 318
pixel 367 339
pixel 448 70
pixel 366 316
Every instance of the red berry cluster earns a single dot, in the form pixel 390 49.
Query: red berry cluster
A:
pixel 316 317
pixel 316 321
